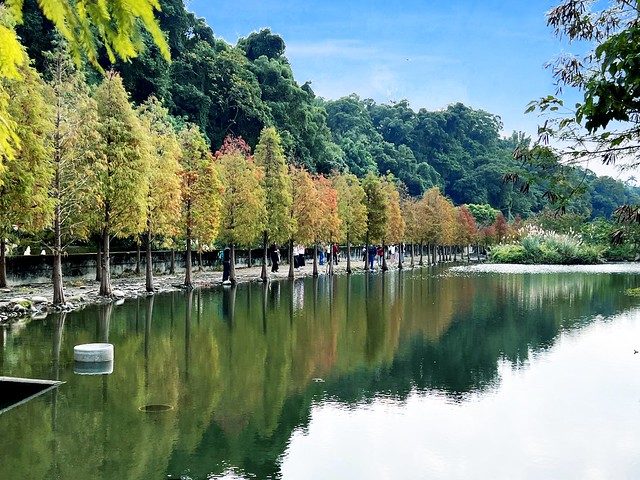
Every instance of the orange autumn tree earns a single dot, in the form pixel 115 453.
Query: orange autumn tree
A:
pixel 430 221
pixel 501 227
pixel 467 233
pixel 243 204
pixel 328 225
pixel 163 195
pixel 447 213
pixel 304 210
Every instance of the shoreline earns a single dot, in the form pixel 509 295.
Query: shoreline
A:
pixel 35 300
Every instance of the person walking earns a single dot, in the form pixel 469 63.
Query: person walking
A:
pixel 372 256
pixel 275 257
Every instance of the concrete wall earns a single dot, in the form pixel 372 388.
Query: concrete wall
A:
pixel 26 269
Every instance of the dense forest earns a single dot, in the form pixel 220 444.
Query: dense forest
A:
pixel 238 90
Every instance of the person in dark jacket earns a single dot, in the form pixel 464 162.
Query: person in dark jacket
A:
pixel 275 257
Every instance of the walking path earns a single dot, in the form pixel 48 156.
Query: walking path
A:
pixel 34 300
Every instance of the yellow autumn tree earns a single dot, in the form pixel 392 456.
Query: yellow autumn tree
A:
pixel 201 192
pixel 396 225
pixel 163 194
pixel 351 210
pixel 243 203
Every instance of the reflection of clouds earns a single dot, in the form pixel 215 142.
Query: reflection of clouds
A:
pixel 550 420
pixel 298 295
pixel 537 285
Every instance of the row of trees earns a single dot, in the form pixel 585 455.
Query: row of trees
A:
pixel 93 166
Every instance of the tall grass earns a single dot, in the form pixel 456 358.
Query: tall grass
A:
pixel 531 244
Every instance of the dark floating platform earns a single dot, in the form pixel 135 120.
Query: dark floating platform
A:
pixel 16 391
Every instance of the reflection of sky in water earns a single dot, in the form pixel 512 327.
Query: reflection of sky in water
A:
pixel 573 413
pixel 510 268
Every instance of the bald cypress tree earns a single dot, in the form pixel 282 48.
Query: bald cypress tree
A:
pixel 276 185
pixel 119 180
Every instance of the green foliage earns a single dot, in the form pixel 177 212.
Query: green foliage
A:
pixel 276 184
pixel 119 168
pixel 484 215
pixel 27 175
pixel 546 247
pixel 508 253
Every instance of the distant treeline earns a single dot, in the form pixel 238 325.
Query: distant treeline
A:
pixel 238 90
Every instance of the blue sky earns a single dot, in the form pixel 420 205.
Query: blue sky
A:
pixel 487 54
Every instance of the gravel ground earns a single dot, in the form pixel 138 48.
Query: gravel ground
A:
pixel 35 300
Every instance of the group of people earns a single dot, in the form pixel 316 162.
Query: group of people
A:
pixel 326 251
pixel 298 257
pixel 371 253
pixel 325 254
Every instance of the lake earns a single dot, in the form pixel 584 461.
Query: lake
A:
pixel 467 372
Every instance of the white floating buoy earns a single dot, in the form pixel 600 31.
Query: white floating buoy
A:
pixel 93 352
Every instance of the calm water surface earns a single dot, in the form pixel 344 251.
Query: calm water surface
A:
pixel 460 373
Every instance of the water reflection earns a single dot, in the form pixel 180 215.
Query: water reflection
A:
pixel 238 364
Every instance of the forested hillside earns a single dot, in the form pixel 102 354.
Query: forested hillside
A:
pixel 240 89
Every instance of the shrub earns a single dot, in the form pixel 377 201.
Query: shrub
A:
pixel 508 253
pixel 539 246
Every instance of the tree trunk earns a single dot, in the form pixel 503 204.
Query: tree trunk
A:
pixel 315 259
pixel 366 254
pixel 105 280
pixel 384 259
pixel 421 261
pixel 199 256
pixel 332 258
pixel 232 260
pixel 172 264
pixel 249 257
pixel 291 270
pixel 400 253
pixel 149 264
pixel 413 248
pixel 187 261
pixel 56 277
pixel 263 273
pixel 98 260
pixel 348 253
pixel 3 262
pixel 138 257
